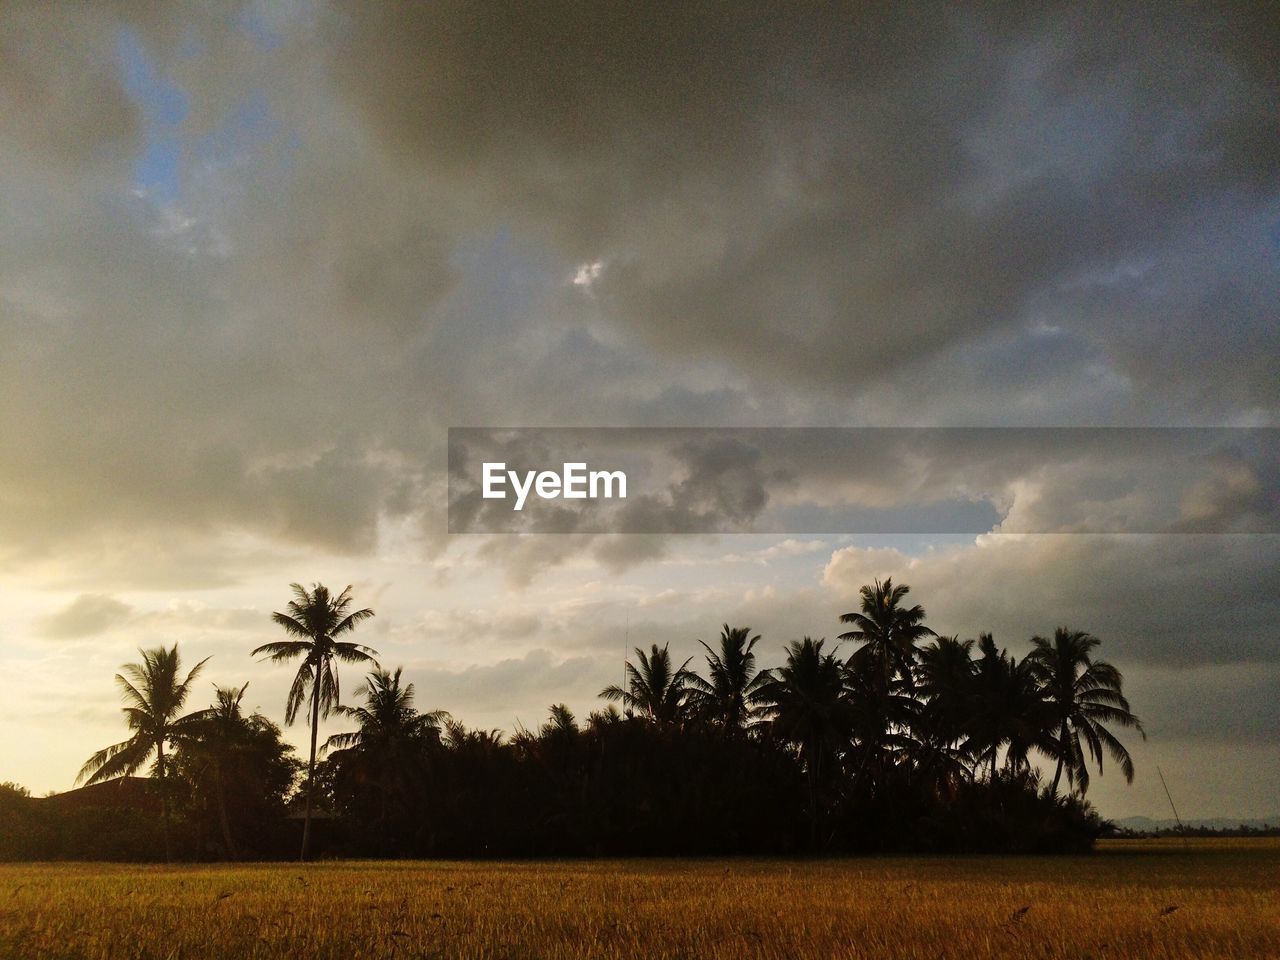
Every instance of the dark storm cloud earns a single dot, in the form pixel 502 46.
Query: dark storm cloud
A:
pixel 822 194
pixel 1231 704
pixel 799 214
pixel 1179 600
pixel 68 108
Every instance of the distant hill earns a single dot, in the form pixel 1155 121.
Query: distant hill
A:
pixel 1149 825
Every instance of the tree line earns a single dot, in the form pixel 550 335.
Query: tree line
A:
pixel 910 741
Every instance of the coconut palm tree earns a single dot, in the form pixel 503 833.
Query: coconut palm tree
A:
pixel 389 749
pixel 880 671
pixel 154 697
pixel 806 707
pixel 388 722
pixel 315 620
pixel 888 631
pixel 945 683
pixel 561 722
pixel 884 726
pixel 1008 709
pixel 223 730
pixel 731 697
pixel 1085 694
pixel 654 689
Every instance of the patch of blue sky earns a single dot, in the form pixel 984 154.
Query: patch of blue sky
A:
pixel 935 519
pixel 163 106
pixel 248 126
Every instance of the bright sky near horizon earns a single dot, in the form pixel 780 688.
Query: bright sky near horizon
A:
pixel 256 258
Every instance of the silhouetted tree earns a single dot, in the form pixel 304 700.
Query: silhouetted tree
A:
pixel 895 747
pixel 887 631
pixel 389 750
pixel 1008 709
pixel 562 722
pixel 806 707
pixel 222 732
pixel 654 689
pixel 1085 695
pixel 883 722
pixel 945 683
pixel 730 696
pixel 154 698
pixel 315 620
pixel 237 764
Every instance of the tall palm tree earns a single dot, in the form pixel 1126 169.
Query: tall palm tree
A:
pixel 804 700
pixel 154 697
pixel 731 697
pixel 888 631
pixel 315 620
pixel 1085 694
pixel 880 671
pixel 654 689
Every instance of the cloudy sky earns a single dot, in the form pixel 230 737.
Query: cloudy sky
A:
pixel 257 258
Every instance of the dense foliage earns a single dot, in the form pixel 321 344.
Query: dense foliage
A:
pixel 903 740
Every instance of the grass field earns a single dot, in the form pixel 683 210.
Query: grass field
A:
pixel 1145 900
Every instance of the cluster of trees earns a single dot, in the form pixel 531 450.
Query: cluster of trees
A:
pixel 910 741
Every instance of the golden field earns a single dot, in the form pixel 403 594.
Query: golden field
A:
pixel 1146 900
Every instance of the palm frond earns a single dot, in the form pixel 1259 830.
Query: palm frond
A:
pixel 117 760
pixel 298 691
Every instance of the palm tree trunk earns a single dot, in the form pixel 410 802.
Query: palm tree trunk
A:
pixel 222 813
pixel 311 763
pixel 1062 752
pixel 164 799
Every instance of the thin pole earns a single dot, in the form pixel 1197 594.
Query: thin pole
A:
pixel 1170 796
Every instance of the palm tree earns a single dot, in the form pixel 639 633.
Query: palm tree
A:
pixel 1086 694
pixel 223 730
pixel 389 722
pixel 315 620
pixel 731 697
pixel 654 688
pixel 889 632
pixel 880 671
pixel 805 702
pixel 946 684
pixel 561 722
pixel 882 724
pixel 389 748
pixel 1008 709
pixel 153 698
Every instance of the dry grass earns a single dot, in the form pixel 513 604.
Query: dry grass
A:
pixel 1145 900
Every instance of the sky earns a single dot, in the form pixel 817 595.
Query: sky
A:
pixel 257 258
